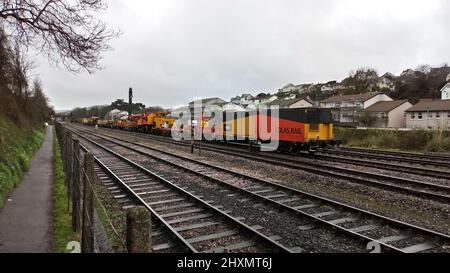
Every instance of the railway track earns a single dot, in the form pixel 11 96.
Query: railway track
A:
pixel 407 186
pixel 195 225
pixel 341 158
pixel 389 234
pixel 420 159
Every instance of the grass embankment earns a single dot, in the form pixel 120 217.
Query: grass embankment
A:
pixel 417 140
pixel 62 218
pixel 17 147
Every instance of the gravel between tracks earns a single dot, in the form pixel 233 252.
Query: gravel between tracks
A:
pixel 426 213
pixel 282 224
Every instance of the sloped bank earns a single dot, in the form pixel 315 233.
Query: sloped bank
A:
pixel 17 147
pixel 417 140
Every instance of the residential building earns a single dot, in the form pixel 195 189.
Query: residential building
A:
pixel 429 114
pixel 386 82
pixel 244 100
pixel 231 107
pixel 292 103
pixel 345 108
pixel 446 91
pixel 290 87
pixel 204 102
pixel 386 114
pixel 263 99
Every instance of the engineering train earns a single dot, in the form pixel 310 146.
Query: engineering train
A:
pixel 296 130
pixel 300 129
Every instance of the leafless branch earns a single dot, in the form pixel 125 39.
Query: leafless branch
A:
pixel 67 31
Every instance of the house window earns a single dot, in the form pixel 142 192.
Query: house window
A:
pixel 448 114
pixel 438 115
pixel 431 115
pixel 413 115
pixel 420 115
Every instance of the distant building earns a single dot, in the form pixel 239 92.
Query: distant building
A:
pixel 116 114
pixel 205 102
pixel 243 100
pixel 264 99
pixel 446 91
pixel 345 108
pixel 429 114
pixel 290 87
pixel 292 103
pixel 231 107
pixel 386 82
pixel 388 114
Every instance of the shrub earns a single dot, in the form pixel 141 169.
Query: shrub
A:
pixel 418 140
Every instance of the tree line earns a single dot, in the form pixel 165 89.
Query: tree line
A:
pixel 101 111
pixel 67 32
pixel 22 99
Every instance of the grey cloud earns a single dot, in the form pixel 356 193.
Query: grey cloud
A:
pixel 171 51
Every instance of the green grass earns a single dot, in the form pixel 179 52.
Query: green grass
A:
pixel 17 147
pixel 414 141
pixel 115 214
pixel 62 218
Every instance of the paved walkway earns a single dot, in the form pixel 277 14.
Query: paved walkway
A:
pixel 26 221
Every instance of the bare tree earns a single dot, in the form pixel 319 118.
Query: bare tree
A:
pixel 424 68
pixel 19 74
pixel 67 31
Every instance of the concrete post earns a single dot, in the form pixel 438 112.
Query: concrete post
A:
pixel 87 234
pixel 138 233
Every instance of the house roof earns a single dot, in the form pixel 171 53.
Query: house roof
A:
pixel 207 100
pixel 430 105
pixel 285 103
pixel 445 86
pixel 385 106
pixel 354 97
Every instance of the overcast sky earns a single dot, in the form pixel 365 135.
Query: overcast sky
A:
pixel 172 51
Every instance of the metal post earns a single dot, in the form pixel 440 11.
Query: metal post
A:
pixel 130 102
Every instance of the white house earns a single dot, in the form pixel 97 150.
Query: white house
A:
pixel 244 100
pixel 386 81
pixel 345 108
pixel 231 107
pixel 288 88
pixel 264 99
pixel 446 91
pixel 292 103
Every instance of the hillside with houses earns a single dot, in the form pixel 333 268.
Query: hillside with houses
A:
pixel 416 99
pixel 366 99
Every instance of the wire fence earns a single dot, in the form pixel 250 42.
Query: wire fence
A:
pixel 84 196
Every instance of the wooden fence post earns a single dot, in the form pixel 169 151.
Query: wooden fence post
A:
pixel 76 191
pixel 69 164
pixel 138 233
pixel 87 234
